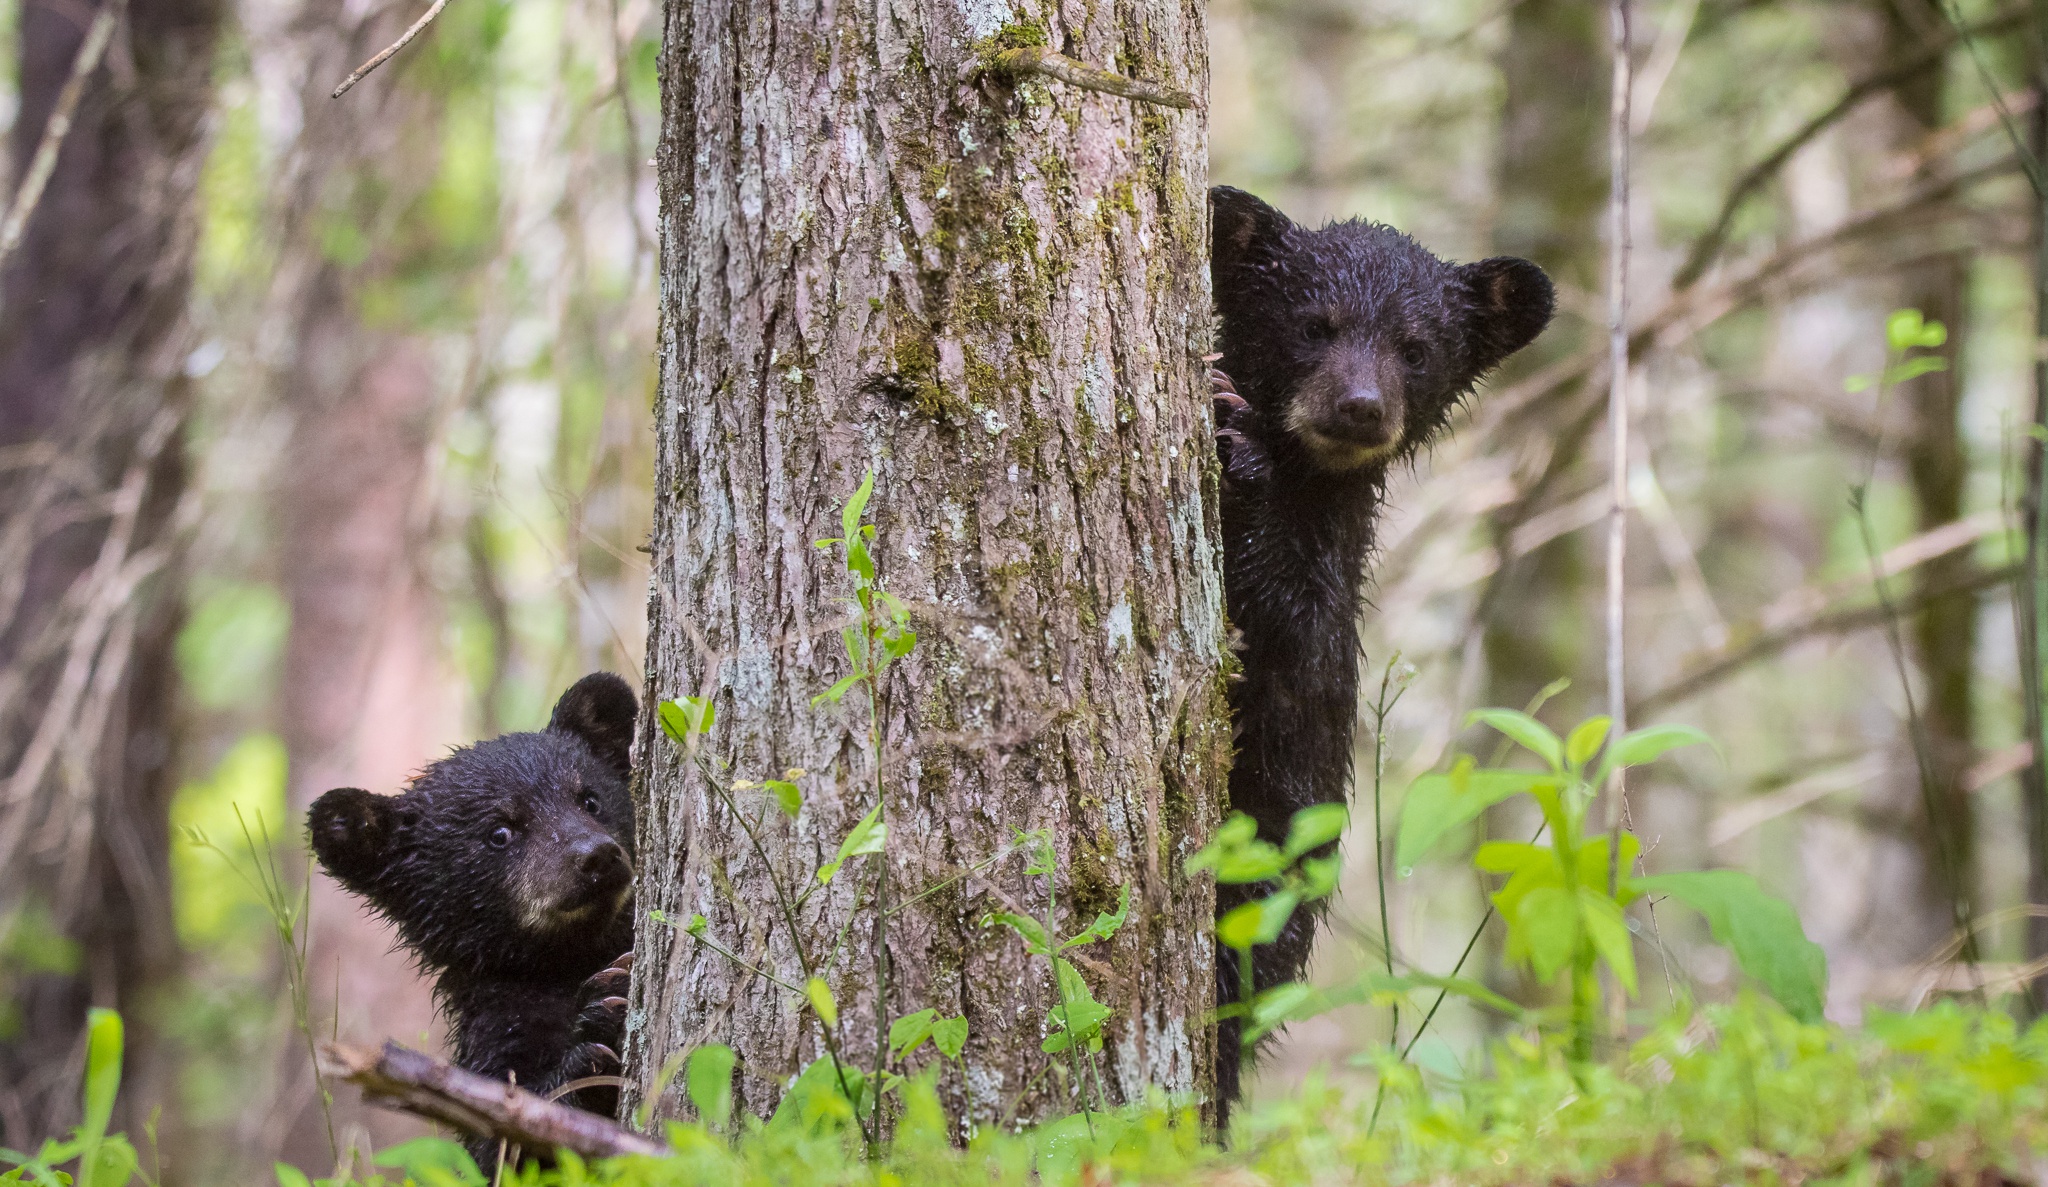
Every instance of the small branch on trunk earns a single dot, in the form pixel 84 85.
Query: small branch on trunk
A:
pixel 413 1082
pixel 404 39
pixel 1037 59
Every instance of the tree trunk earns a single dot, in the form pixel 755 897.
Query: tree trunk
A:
pixel 93 401
pixel 1553 195
pixel 360 693
pixel 1944 635
pixel 2031 591
pixel 992 292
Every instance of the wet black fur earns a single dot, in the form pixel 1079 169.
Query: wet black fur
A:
pixel 1300 310
pixel 538 1003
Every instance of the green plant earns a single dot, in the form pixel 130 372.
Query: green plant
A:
pixel 1239 857
pixel 103 1159
pixel 1908 336
pixel 289 910
pixel 878 635
pixel 1076 1021
pixel 1564 902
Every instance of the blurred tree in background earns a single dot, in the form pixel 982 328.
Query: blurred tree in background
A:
pixel 95 504
pixel 407 393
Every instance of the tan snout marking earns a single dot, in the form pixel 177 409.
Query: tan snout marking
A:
pixel 1332 454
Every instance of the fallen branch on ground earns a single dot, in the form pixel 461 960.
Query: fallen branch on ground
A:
pixel 414 1082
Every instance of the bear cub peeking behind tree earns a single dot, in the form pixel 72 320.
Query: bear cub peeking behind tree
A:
pixel 507 869
pixel 1343 352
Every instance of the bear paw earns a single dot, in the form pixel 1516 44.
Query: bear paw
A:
pixel 601 1004
pixel 587 1061
pixel 1237 441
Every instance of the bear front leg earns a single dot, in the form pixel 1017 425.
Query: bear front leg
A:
pixel 1237 434
pixel 596 1036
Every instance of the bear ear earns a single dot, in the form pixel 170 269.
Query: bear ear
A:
pixel 1510 302
pixel 601 710
pixel 1240 224
pixel 351 831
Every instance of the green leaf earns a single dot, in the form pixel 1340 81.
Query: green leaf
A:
pixel 819 1098
pixel 820 996
pixel 2038 432
pixel 1608 929
pixel 867 836
pixel 1319 875
pixel 102 1081
pixel 788 796
pixel 685 718
pixel 1647 745
pixel 1530 733
pixel 1078 1014
pixel 1508 857
pixel 1274 912
pixel 1859 383
pixel 1289 1001
pixel 949 1035
pixel 696 925
pixel 290 1176
pixel 1024 925
pixel 1106 924
pixel 909 1032
pixel 707 1077
pixel 1237 855
pixel 1438 804
pixel 1239 927
pixel 1762 931
pixel 1546 922
pixel 1314 827
pixel 1915 367
pixel 856 505
pixel 837 691
pixel 432 1160
pixel 1585 741
pixel 1907 328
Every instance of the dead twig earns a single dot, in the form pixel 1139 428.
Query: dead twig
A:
pixel 1036 59
pixel 414 1082
pixel 1751 646
pixel 57 128
pixel 404 39
pixel 1709 245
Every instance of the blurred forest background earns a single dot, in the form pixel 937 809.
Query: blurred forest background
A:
pixel 325 446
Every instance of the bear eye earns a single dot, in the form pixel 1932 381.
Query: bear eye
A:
pixel 1413 354
pixel 1318 329
pixel 590 804
pixel 501 836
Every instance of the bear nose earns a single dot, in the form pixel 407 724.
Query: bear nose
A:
pixel 600 860
pixel 1362 408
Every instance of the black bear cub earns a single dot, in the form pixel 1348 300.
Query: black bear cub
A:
pixel 507 869
pixel 1343 352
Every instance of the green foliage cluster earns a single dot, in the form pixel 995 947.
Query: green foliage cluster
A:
pixel 1738 1093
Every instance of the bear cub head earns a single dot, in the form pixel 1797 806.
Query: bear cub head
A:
pixel 1354 339
pixel 509 858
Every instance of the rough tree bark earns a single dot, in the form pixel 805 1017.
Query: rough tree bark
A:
pixel 878 253
pixel 93 399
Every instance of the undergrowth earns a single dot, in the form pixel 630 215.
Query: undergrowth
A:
pixel 1719 1094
